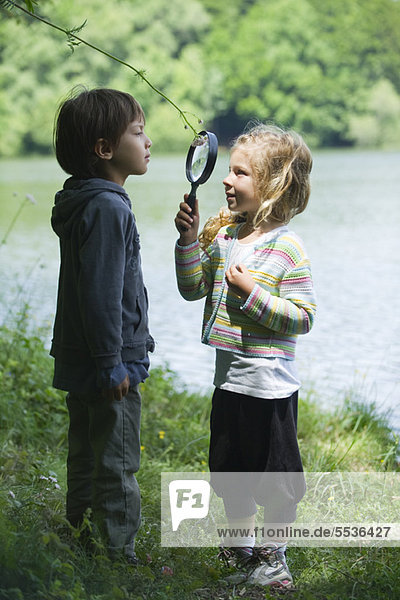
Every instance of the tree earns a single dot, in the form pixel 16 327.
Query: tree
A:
pixel 305 64
pixel 39 70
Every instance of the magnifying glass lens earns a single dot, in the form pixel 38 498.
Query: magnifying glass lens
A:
pixel 199 160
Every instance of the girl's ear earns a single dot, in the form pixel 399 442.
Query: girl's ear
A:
pixel 103 149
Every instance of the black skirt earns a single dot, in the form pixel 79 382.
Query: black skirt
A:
pixel 251 437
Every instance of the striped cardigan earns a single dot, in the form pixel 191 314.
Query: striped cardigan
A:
pixel 280 306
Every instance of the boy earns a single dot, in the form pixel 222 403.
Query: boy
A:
pixel 101 338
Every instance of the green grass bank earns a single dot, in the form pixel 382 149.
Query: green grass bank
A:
pixel 41 557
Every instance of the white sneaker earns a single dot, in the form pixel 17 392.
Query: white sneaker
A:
pixel 273 569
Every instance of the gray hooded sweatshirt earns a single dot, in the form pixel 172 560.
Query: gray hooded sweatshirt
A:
pixel 101 319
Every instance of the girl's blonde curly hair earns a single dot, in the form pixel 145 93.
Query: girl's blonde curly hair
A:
pixel 281 164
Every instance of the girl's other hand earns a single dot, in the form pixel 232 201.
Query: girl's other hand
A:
pixel 187 222
pixel 239 280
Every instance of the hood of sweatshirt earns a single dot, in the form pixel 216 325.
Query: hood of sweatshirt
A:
pixel 71 201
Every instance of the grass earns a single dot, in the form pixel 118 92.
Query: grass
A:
pixel 42 558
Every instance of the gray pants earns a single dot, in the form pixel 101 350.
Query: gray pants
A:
pixel 104 454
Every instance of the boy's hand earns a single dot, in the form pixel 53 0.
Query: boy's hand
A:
pixel 187 222
pixel 240 281
pixel 117 392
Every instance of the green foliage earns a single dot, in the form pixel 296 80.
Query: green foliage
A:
pixel 41 556
pixel 311 65
pixel 352 437
pixel 31 410
pixel 379 126
pixel 40 69
pixel 165 433
pixel 307 65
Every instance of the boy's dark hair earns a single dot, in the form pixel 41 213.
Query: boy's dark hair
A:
pixel 85 117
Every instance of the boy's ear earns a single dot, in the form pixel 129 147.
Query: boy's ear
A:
pixel 103 149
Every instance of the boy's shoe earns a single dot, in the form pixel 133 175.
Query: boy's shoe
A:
pixel 118 557
pixel 132 559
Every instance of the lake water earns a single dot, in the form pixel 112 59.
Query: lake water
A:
pixel 351 233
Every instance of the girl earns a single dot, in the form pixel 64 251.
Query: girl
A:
pixel 256 276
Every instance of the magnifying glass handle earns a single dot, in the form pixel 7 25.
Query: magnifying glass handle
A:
pixel 192 196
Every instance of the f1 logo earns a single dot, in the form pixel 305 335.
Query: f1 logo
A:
pixel 189 499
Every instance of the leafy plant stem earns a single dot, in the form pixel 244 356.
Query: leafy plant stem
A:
pixel 72 36
pixel 25 201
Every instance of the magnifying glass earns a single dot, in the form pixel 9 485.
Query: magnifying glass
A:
pixel 200 161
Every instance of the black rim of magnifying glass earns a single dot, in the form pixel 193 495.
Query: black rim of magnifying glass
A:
pixel 211 158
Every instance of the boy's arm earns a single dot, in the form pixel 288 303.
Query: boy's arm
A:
pixel 100 285
pixel 114 382
pixel 117 392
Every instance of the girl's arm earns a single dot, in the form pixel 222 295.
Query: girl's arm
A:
pixel 193 272
pixel 292 312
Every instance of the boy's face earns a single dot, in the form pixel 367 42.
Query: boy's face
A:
pixel 132 154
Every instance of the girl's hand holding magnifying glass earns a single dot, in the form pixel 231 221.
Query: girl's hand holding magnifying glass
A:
pixel 200 161
pixel 187 222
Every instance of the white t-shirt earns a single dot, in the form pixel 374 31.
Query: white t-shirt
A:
pixel 261 377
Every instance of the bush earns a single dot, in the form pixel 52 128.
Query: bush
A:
pixel 32 412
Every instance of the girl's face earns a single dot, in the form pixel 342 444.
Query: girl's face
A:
pixel 240 186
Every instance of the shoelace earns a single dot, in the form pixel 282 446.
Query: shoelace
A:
pixel 226 554
pixel 261 554
pixel 265 554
